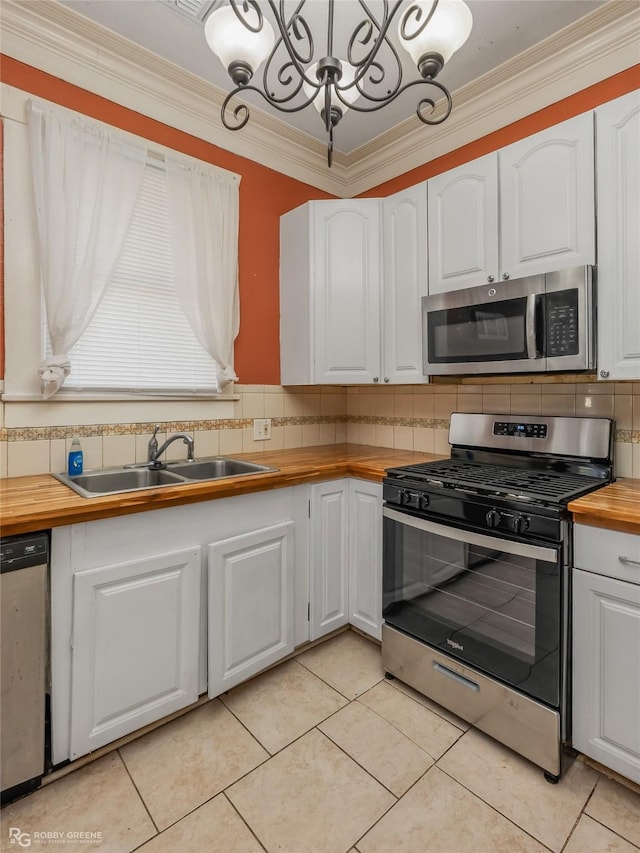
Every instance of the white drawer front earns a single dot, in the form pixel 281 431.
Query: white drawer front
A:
pixel 607 552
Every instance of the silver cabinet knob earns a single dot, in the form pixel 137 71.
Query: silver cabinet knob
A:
pixel 386 378
pixel 604 374
pixel 375 379
pixel 505 275
pixel 491 278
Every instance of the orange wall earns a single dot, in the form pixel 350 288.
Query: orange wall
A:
pixel 1 249
pixel 587 99
pixel 264 196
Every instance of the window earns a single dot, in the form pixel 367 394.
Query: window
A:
pixel 139 340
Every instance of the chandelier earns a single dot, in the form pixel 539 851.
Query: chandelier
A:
pixel 366 77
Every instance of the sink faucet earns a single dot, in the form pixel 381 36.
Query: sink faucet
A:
pixel 155 452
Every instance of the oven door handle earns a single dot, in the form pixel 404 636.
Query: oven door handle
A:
pixel 522 549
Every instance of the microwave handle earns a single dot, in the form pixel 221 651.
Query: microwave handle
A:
pixel 530 325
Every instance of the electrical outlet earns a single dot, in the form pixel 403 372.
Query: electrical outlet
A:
pixel 261 429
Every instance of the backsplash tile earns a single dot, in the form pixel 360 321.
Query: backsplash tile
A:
pixel 404 417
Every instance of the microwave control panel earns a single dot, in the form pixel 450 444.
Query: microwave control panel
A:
pixel 561 323
pixel 516 430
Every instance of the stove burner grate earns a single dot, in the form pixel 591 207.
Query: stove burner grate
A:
pixel 525 483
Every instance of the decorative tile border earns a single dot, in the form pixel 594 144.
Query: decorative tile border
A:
pixel 623 436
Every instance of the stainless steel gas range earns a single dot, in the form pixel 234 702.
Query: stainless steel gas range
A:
pixel 476 581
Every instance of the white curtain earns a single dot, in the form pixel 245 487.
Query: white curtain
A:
pixel 86 179
pixel 203 222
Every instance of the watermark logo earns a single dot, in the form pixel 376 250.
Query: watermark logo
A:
pixel 18 838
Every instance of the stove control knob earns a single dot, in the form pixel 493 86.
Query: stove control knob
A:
pixel 521 524
pixel 424 501
pixel 493 518
pixel 408 498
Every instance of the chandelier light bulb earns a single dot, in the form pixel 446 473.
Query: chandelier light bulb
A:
pixel 349 95
pixel 240 50
pixel 447 30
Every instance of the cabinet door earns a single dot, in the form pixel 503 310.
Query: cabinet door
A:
pixel 618 135
pixel 463 226
pixel 365 557
pixel 547 212
pixel 346 272
pixel 404 218
pixel 135 645
pixel 251 597
pixel 606 663
pixel 329 558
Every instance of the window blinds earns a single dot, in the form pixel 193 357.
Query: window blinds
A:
pixel 139 341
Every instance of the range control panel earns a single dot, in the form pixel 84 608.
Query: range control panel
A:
pixel 518 430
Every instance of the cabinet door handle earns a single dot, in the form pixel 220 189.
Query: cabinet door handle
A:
pixel 375 379
pixel 491 278
pixel 628 561
pixel 505 275
pixel 604 374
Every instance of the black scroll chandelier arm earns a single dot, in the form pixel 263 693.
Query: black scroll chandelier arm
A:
pixel 368 60
pixel 429 102
pixel 295 22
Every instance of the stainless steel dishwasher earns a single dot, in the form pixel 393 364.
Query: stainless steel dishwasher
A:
pixel 23 660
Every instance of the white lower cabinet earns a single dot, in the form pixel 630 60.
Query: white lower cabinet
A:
pixel 151 610
pixel 329 583
pixel 606 649
pixel 346 557
pixel 135 645
pixel 365 556
pixel 251 601
pixel 130 623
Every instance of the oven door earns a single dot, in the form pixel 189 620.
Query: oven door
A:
pixel 490 602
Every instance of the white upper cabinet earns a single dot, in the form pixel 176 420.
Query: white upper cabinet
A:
pixel 463 226
pixel 524 210
pixel 350 290
pixel 547 204
pixel 618 180
pixel 330 292
pixel 404 240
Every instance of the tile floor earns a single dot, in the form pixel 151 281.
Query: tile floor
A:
pixel 322 754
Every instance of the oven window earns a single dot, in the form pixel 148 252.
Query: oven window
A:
pixel 493 609
pixel 492 332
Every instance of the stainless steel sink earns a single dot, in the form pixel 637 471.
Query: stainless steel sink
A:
pixel 113 481
pixel 214 469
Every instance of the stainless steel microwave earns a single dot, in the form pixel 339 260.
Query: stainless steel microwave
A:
pixel 535 324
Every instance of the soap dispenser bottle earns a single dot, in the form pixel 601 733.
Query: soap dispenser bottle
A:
pixel 75 458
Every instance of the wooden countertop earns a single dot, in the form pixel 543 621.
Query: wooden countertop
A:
pixel 616 507
pixel 39 502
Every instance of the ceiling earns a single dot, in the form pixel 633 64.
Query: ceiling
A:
pixel 501 30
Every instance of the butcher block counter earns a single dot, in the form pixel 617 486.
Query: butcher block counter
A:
pixel 39 502
pixel 615 507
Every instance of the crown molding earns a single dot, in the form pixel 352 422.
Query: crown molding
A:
pixel 58 41
pixel 594 48
pixel 54 39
